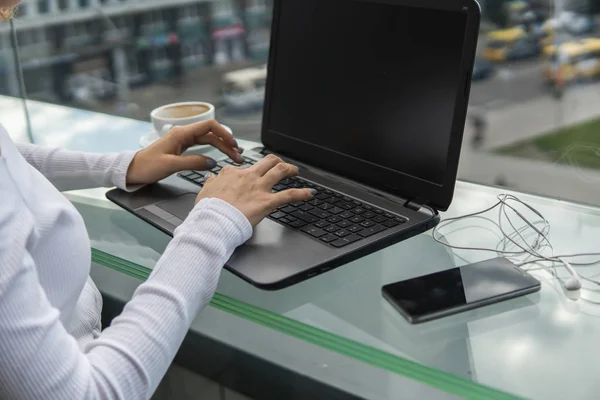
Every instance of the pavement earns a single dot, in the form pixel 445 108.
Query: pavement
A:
pixel 515 123
pixel 520 121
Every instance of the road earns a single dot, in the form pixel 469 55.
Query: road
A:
pixel 511 83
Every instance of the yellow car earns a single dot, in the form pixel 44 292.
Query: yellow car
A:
pixel 511 44
pixel 572 61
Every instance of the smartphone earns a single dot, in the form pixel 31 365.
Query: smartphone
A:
pixel 460 289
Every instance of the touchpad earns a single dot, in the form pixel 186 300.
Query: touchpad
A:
pixel 180 206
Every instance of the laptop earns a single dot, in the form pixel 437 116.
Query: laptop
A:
pixel 368 98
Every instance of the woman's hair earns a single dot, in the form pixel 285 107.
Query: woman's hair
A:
pixel 6 13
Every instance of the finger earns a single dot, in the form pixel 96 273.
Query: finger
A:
pixel 277 173
pixel 199 129
pixel 192 162
pixel 217 143
pixel 264 165
pixel 197 133
pixel 291 196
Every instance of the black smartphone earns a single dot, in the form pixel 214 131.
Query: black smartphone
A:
pixel 459 289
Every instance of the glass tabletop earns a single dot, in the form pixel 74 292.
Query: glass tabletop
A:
pixel 513 346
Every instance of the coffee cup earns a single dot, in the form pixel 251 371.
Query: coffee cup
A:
pixel 177 114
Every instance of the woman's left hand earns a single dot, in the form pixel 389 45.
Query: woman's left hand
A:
pixel 163 157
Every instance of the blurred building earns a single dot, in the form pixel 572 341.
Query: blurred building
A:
pixel 89 48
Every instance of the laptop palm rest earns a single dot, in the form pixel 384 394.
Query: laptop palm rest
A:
pixel 174 211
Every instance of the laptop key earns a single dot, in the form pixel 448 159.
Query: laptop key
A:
pixel 315 202
pixel 289 209
pixel 322 224
pixel 193 176
pixel 185 173
pixel 379 219
pixel 284 220
pixel 388 215
pixel 367 223
pixel 321 196
pixel 319 213
pixel 334 220
pixel 391 223
pixel 355 228
pixel 279 188
pixel 341 233
pixel 325 206
pixel 332 228
pixel 372 230
pixel 367 207
pixel 297 224
pixel 329 238
pixel 278 215
pixel 346 215
pixel 378 211
pixel 358 210
pixel 356 219
pixel 297 203
pixel 344 224
pixel 306 207
pixel 336 210
pixel 341 242
pixel 306 217
pixel 368 215
pixel 313 231
pixel 345 205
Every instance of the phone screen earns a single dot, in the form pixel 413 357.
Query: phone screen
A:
pixel 459 289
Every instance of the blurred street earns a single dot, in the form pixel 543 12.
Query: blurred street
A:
pixel 510 85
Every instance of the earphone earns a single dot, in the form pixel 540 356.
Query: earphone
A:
pixel 574 282
pixel 515 244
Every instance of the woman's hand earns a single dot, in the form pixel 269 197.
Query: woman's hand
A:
pixel 163 157
pixel 250 190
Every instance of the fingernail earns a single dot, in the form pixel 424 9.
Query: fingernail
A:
pixel 210 163
pixel 313 191
pixel 240 150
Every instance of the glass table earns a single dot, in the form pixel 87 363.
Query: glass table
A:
pixel 531 347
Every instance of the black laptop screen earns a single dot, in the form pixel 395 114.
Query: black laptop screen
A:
pixel 373 81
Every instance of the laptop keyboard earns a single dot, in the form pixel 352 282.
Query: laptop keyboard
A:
pixel 329 217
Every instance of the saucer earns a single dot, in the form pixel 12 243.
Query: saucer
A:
pixel 152 137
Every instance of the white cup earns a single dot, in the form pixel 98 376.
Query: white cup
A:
pixel 177 114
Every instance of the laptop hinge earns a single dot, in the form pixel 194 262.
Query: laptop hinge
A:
pixel 414 204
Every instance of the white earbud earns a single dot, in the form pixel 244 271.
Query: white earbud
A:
pixel 574 282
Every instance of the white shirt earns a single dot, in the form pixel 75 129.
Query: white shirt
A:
pixel 51 346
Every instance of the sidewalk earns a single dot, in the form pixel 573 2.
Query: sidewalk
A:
pixel 515 123
pixel 523 121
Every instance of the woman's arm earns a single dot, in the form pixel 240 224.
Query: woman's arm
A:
pixel 70 170
pixel 38 357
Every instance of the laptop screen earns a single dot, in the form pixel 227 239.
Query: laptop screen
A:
pixel 372 81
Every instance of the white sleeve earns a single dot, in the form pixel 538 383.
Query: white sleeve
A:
pixel 71 170
pixel 38 357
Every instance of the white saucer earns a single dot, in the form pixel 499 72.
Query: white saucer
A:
pixel 152 137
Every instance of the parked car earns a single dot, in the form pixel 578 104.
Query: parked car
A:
pixel 482 70
pixel 512 44
pixel 244 90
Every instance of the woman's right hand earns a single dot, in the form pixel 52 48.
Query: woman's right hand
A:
pixel 250 189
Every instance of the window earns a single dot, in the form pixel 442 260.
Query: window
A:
pixel 541 120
